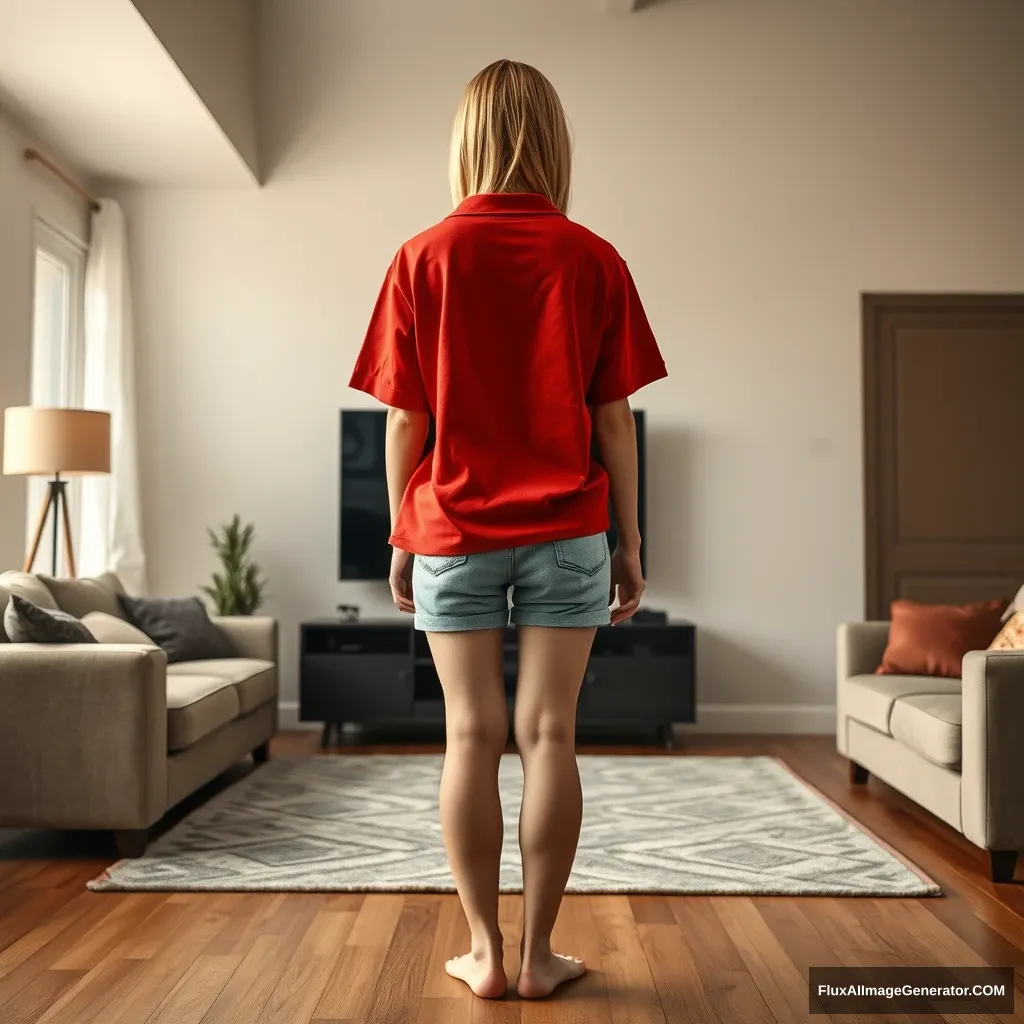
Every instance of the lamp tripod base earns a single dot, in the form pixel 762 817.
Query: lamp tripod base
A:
pixel 57 500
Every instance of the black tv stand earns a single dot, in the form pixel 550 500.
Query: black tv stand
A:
pixel 641 677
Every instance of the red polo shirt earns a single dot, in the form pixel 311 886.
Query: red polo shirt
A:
pixel 506 322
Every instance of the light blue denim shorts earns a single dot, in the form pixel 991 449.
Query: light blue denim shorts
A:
pixel 557 583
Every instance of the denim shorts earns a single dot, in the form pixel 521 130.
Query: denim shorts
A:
pixel 557 583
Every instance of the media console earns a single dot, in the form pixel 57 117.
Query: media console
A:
pixel 380 673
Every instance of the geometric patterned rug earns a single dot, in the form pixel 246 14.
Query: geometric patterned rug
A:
pixel 672 825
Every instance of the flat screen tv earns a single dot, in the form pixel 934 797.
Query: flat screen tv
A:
pixel 364 524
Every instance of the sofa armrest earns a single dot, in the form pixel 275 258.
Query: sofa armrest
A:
pixel 859 648
pixel 83 735
pixel 992 796
pixel 251 636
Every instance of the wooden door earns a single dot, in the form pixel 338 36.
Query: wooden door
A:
pixel 943 448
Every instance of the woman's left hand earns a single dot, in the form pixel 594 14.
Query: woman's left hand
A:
pixel 401 580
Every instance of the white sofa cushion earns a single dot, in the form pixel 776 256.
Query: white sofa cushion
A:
pixel 870 699
pixel 929 724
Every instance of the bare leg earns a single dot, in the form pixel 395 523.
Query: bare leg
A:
pixel 476 723
pixel 551 666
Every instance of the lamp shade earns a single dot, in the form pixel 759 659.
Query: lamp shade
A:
pixel 42 442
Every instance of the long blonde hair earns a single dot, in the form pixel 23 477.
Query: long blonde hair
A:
pixel 511 135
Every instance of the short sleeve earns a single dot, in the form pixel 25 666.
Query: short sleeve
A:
pixel 629 357
pixel 388 366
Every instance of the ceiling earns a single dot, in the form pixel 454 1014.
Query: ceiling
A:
pixel 91 78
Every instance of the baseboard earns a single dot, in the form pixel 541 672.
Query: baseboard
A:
pixel 779 719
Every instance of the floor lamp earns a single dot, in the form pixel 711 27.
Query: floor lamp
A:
pixel 55 442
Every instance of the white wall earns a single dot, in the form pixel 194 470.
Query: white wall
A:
pixel 758 164
pixel 26 192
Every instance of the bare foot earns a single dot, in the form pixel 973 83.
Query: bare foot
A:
pixel 483 974
pixel 537 980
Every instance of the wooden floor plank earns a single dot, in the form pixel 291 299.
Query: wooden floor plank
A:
pixel 679 984
pixel 172 956
pixel 807 948
pixel 730 987
pixel 399 985
pixel 632 996
pixel 63 943
pixel 39 995
pixel 352 987
pixel 197 990
pixel 782 986
pixel 129 913
pixel 295 997
pixel 40 929
pixel 91 998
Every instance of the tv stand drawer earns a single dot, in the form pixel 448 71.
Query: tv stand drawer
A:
pixel 640 690
pixel 356 687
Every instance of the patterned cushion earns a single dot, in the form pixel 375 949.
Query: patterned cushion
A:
pixel 27 623
pixel 89 594
pixel 1011 636
pixel 180 626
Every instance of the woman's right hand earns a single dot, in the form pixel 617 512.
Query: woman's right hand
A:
pixel 627 584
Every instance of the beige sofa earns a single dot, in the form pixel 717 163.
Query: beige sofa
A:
pixel 951 745
pixel 109 736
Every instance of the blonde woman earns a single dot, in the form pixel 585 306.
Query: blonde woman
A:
pixel 521 333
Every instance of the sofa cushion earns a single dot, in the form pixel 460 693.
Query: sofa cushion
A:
pixel 1011 636
pixel 196 706
pixel 26 623
pixel 255 680
pixel 24 584
pixel 870 699
pixel 89 594
pixel 929 724
pixel 109 629
pixel 932 639
pixel 181 626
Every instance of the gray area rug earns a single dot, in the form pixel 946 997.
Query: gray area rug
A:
pixel 675 825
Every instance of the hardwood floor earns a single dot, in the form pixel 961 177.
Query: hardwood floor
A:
pixel 69 956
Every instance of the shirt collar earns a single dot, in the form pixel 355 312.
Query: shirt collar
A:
pixel 521 203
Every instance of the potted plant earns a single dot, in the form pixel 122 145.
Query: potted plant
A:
pixel 240 588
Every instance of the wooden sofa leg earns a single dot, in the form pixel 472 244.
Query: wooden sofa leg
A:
pixel 131 842
pixel 262 753
pixel 1003 862
pixel 858 774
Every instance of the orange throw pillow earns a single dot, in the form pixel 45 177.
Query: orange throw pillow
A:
pixel 932 639
pixel 1011 636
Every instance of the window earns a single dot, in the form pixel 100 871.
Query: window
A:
pixel 57 336
pixel 58 341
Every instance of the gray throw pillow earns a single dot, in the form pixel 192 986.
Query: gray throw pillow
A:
pixel 180 626
pixel 27 623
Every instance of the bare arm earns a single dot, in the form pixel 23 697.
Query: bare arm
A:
pixel 615 430
pixel 403 448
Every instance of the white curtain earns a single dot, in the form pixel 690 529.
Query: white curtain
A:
pixel 111 515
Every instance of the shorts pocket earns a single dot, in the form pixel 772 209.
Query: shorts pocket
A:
pixel 438 564
pixel 585 555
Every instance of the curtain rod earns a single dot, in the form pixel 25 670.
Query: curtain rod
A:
pixel 40 158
